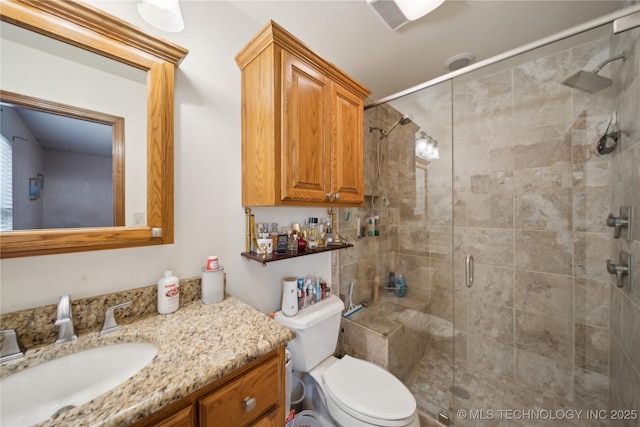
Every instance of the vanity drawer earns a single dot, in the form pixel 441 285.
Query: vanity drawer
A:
pixel 242 401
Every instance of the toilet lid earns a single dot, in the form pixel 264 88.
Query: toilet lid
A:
pixel 368 389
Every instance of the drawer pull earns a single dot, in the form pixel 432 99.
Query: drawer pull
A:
pixel 249 403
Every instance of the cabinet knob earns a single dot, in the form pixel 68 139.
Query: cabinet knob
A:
pixel 337 196
pixel 249 403
pixel 329 196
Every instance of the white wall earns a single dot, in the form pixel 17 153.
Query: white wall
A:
pixel 26 154
pixel 209 218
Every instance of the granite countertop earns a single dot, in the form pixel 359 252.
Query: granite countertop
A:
pixel 198 344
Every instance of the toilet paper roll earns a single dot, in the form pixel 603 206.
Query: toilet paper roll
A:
pixel 212 285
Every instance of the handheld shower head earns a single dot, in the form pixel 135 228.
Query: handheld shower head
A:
pixel 591 82
pixel 404 120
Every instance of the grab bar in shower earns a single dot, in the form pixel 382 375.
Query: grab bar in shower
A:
pixel 468 271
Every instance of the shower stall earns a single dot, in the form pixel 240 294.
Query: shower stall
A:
pixel 513 311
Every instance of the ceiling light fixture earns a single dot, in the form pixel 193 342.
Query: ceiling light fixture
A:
pixel 414 9
pixel 396 13
pixel 162 14
pixel 427 147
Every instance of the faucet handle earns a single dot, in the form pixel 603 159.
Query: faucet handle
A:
pixel 110 324
pixel 625 220
pixel 12 348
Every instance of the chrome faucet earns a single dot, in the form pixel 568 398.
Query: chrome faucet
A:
pixel 110 324
pixel 12 348
pixel 65 321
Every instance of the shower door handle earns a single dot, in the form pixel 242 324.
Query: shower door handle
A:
pixel 468 271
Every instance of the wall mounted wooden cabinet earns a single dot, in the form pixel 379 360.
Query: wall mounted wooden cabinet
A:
pixel 302 126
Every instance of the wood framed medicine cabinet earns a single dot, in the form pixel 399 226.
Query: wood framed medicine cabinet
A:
pixel 91 29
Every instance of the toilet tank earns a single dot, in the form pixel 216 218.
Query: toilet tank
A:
pixel 316 328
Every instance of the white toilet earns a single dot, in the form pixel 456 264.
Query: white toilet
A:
pixel 356 392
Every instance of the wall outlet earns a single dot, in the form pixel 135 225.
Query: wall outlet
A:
pixel 138 218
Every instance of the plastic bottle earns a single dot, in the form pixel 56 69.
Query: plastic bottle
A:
pixel 370 226
pixel 400 286
pixel 376 287
pixel 168 293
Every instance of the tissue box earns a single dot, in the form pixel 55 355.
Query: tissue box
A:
pixel 212 285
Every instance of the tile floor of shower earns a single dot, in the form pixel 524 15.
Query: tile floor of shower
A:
pixel 431 379
pixel 390 333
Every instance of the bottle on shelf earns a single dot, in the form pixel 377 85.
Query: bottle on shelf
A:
pixel 376 288
pixel 371 232
pixel 400 286
pixel 329 232
pixel 312 241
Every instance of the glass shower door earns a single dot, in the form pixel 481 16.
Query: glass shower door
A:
pixel 425 244
pixel 531 195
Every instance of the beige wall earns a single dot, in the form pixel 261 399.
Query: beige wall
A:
pixel 209 218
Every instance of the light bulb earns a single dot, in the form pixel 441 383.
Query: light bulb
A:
pixel 415 9
pixel 162 14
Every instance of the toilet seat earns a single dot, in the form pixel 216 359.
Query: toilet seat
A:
pixel 369 393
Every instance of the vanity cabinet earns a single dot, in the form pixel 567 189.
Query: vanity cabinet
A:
pixel 302 126
pixel 252 395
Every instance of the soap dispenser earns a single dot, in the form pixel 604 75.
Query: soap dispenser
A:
pixel 168 293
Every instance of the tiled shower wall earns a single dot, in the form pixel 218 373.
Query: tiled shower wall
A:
pixel 415 236
pixel 531 199
pixel 624 349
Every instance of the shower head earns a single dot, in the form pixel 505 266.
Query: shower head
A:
pixel 587 81
pixel 404 120
pixel 591 82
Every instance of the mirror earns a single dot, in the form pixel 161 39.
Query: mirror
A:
pixel 81 25
pixel 59 140
pixel 81 154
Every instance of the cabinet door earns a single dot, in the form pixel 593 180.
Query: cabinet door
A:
pixel 347 150
pixel 183 418
pixel 306 131
pixel 244 400
pixel 269 420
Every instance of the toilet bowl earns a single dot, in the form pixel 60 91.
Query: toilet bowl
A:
pixel 356 393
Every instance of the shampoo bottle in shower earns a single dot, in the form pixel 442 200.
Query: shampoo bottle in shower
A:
pixel 400 286
pixel 376 288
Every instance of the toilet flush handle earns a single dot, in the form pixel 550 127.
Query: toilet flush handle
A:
pixel 249 403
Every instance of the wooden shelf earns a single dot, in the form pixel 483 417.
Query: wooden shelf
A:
pixel 279 257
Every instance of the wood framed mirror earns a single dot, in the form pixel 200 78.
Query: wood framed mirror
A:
pixel 93 30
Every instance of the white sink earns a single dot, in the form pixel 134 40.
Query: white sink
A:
pixel 35 394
